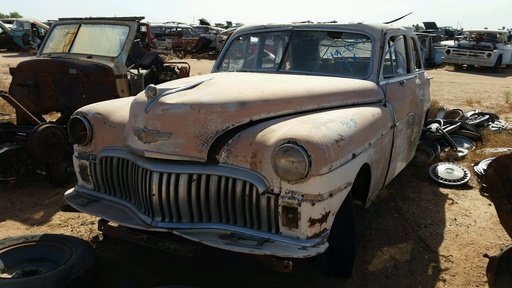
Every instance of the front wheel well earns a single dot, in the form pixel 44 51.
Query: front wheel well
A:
pixel 361 187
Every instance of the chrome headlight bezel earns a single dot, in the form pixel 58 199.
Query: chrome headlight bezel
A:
pixel 291 162
pixel 80 130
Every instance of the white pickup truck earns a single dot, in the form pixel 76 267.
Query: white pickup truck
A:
pixel 267 154
pixel 479 47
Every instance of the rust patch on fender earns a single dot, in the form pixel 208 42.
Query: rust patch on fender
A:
pixel 319 221
pixel 300 197
pixel 253 163
pixel 339 139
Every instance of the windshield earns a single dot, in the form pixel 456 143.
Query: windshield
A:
pixel 91 39
pixel 334 53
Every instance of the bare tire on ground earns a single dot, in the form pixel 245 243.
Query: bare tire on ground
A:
pixel 46 260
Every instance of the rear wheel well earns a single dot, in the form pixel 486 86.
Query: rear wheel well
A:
pixel 497 64
pixel 361 187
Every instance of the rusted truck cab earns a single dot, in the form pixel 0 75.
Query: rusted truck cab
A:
pixel 81 61
pixel 267 154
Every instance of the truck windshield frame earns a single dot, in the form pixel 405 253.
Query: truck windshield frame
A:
pixel 89 39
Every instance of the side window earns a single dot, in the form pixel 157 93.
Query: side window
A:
pixel 395 57
pixel 417 56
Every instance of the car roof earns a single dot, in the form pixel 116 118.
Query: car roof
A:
pixel 11 21
pixel 171 24
pixel 484 31
pixel 375 30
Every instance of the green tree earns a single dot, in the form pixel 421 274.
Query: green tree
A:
pixel 11 15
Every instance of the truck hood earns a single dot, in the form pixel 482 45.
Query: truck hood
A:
pixel 187 115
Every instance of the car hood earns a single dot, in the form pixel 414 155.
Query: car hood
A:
pixel 187 115
pixel 430 26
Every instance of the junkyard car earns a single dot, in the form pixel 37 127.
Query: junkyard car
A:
pixel 21 34
pixel 173 37
pixel 212 34
pixel 483 48
pixel 267 154
pixel 81 61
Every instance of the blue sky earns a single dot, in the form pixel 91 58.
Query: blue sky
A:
pixel 457 13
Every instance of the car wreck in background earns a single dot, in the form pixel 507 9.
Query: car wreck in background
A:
pixel 443 32
pixel 432 49
pixel 22 34
pixel 480 48
pixel 181 39
pixel 213 37
pixel 81 61
pixel 296 123
pixel 173 37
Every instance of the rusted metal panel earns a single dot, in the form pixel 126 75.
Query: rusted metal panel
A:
pixel 262 97
pixel 43 85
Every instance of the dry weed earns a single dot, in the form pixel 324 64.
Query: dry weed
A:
pixel 507 95
pixel 473 102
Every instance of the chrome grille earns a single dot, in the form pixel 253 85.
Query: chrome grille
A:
pixel 468 53
pixel 186 197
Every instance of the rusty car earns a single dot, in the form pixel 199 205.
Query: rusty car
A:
pixel 268 154
pixel 81 61
pixel 173 37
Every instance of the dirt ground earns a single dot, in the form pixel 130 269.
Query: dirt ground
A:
pixel 419 234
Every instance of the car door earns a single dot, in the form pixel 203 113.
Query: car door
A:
pixel 404 90
pixel 6 41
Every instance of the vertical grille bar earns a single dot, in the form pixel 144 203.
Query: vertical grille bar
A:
pixel 115 178
pixel 224 200
pixel 214 199
pixel 183 189
pixel 240 206
pixel 248 206
pixel 232 204
pixel 256 211
pixel 173 192
pixel 195 198
pixel 133 182
pixel 205 200
pixel 154 195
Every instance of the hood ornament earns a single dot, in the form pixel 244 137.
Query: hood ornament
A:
pixel 153 93
pixel 147 136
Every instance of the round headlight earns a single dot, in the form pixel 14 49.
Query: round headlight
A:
pixel 291 162
pixel 448 51
pixel 80 130
pixel 488 55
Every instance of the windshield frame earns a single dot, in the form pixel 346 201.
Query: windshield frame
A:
pixel 335 52
pixel 92 39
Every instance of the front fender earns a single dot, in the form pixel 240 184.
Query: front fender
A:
pixel 332 138
pixel 339 142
